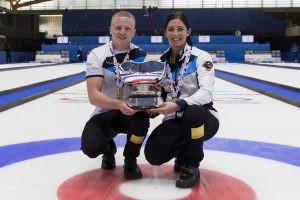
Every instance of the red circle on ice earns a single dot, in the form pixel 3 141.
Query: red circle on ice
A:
pixel 104 184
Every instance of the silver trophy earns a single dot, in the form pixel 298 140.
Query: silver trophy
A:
pixel 144 77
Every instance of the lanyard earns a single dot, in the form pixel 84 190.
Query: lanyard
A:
pixel 119 83
pixel 176 87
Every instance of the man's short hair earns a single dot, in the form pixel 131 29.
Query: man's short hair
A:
pixel 123 14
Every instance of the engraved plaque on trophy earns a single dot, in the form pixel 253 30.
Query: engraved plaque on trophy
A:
pixel 143 76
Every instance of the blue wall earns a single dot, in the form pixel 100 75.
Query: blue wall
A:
pixel 233 52
pixel 215 39
pixel 71 48
pixel 17 57
pixel 2 57
pixel 232 45
pixel 96 22
pixel 290 56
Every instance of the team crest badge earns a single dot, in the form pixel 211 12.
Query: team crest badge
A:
pixel 208 65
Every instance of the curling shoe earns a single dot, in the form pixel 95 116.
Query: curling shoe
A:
pixel 177 165
pixel 188 177
pixel 132 170
pixel 108 158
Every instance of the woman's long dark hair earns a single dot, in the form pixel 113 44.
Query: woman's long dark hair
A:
pixel 182 17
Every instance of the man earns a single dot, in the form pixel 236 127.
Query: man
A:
pixel 294 48
pixel 79 55
pixel 113 113
pixel 8 54
pixel 237 32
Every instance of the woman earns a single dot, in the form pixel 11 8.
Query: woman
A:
pixel 187 91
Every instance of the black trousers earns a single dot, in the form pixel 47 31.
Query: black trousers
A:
pixel 182 137
pixel 8 59
pixel 100 130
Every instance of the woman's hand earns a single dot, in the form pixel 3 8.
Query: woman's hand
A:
pixel 165 108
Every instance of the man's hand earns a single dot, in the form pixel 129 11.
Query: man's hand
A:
pixel 125 107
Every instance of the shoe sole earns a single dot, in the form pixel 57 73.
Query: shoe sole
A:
pixel 129 177
pixel 108 167
pixel 135 174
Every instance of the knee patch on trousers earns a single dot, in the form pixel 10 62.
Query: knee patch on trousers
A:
pixel 136 139
pixel 197 133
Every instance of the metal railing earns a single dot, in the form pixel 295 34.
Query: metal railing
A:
pixel 136 4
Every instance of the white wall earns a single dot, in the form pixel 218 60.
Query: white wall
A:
pixel 292 31
pixel 51 24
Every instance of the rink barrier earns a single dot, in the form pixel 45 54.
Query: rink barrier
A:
pixel 17 96
pixel 287 94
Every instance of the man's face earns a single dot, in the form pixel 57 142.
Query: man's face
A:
pixel 122 30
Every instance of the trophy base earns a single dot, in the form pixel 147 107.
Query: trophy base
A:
pixel 143 103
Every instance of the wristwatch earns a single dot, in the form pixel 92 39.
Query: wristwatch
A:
pixel 181 103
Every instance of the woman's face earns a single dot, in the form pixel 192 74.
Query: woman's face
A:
pixel 176 33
